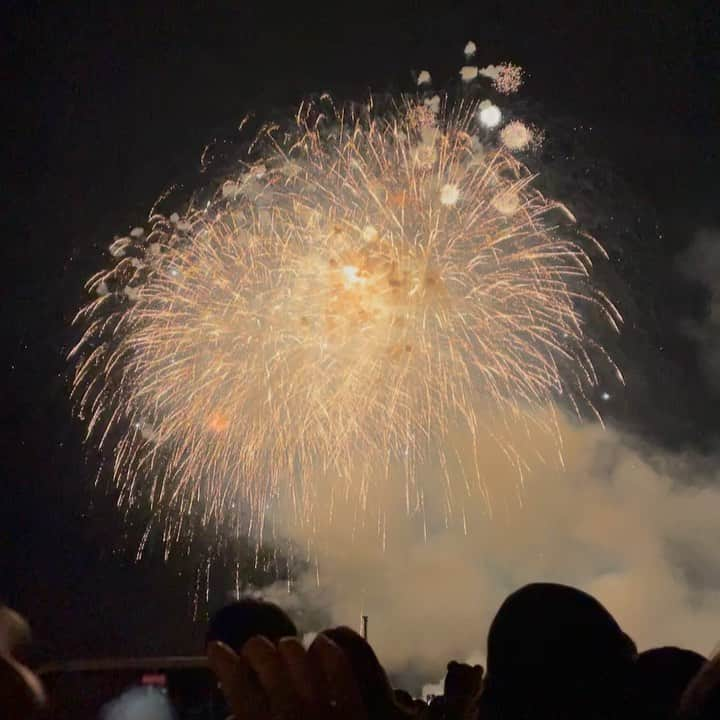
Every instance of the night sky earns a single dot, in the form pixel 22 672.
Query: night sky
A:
pixel 108 104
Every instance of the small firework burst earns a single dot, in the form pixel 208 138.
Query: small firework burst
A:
pixel 509 78
pixel 449 194
pixel 517 136
pixel 506 78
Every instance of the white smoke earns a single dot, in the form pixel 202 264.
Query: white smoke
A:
pixel 634 526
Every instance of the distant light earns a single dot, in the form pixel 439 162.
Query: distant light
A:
pixel 424 78
pixel 605 396
pixel 470 49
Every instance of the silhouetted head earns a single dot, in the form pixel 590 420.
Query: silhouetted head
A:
pixel 701 699
pixel 237 622
pixel 661 676
pixel 462 680
pixel 373 683
pixel 557 650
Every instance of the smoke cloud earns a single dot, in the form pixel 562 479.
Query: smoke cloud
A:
pixel 633 525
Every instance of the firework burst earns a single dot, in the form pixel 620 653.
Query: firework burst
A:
pixel 370 281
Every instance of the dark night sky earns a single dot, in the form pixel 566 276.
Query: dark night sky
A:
pixel 109 103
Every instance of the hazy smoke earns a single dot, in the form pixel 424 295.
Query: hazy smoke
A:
pixel 634 526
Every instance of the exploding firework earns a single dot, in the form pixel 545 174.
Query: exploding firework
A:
pixel 373 279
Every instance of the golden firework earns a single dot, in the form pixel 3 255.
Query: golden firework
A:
pixel 369 281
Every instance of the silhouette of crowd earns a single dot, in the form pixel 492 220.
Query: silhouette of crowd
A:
pixel 553 653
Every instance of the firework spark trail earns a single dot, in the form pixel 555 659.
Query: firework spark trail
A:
pixel 372 280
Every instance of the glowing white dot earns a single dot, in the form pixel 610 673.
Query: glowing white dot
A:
pixel 605 396
pixel 490 116
pixel 470 49
pixel 424 78
pixel 449 194
pixel 351 275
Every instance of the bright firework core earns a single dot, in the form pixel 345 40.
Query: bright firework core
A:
pixel 368 298
pixel 369 282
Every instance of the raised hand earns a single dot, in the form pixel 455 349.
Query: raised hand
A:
pixel 286 682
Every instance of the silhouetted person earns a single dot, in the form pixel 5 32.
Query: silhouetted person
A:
pixel 555 652
pixel 701 699
pixel 21 693
pixel 661 676
pixel 372 681
pixel 462 684
pixel 237 622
